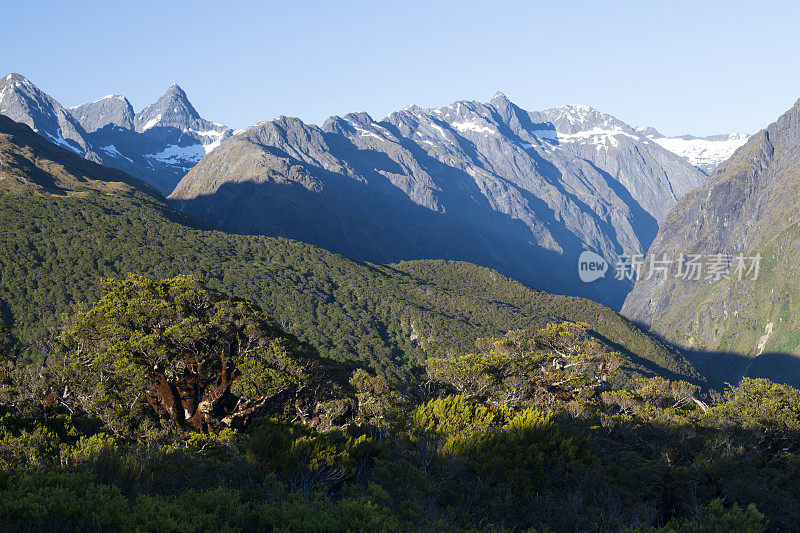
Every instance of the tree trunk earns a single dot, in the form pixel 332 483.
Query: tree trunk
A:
pixel 210 405
pixel 168 396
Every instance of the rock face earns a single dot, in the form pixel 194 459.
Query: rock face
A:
pixel 112 109
pixel 654 177
pixel 706 153
pixel 748 205
pixel 158 145
pixel 488 183
pixel 22 101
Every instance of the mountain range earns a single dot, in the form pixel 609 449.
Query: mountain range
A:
pixel 157 145
pixel 69 221
pixel 490 183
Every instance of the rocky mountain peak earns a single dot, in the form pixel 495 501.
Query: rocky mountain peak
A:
pixel 175 90
pixel 501 99
pixel 18 79
pixel 172 109
pixel 361 118
pixel 649 131
pixel 511 114
pixel 112 109
pixel 23 102
pixel 577 118
pixel 350 121
pixel 18 94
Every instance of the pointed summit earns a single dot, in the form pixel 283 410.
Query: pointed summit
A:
pixel 172 109
pixel 508 111
pixel 502 104
pixel 18 95
pixel 500 98
pixel 17 78
pixel 24 102
pixel 176 94
pixel 360 118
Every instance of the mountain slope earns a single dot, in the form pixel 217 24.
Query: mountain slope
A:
pixel 23 102
pixel 489 183
pixel 54 247
pixel 655 178
pixel 157 145
pixel 749 205
pixel 30 164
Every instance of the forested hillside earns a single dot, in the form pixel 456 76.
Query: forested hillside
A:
pixel 60 236
pixel 426 395
pixel 171 406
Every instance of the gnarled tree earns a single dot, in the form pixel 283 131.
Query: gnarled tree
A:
pixel 182 352
pixel 561 359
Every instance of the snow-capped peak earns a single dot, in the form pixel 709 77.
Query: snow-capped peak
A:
pixel 17 83
pixel 20 80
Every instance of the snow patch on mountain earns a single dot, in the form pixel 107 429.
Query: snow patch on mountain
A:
pixel 181 156
pixel 113 152
pixel 151 123
pixel 441 132
pixel 58 139
pixel 363 132
pixel 210 139
pixel 706 153
pixel 472 126
pixel 599 137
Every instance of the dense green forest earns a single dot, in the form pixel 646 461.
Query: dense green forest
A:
pixel 171 406
pixel 53 250
pixel 68 222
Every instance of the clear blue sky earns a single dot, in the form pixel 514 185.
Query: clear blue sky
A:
pixel 683 67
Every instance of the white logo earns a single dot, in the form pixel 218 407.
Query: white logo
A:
pixel 591 266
